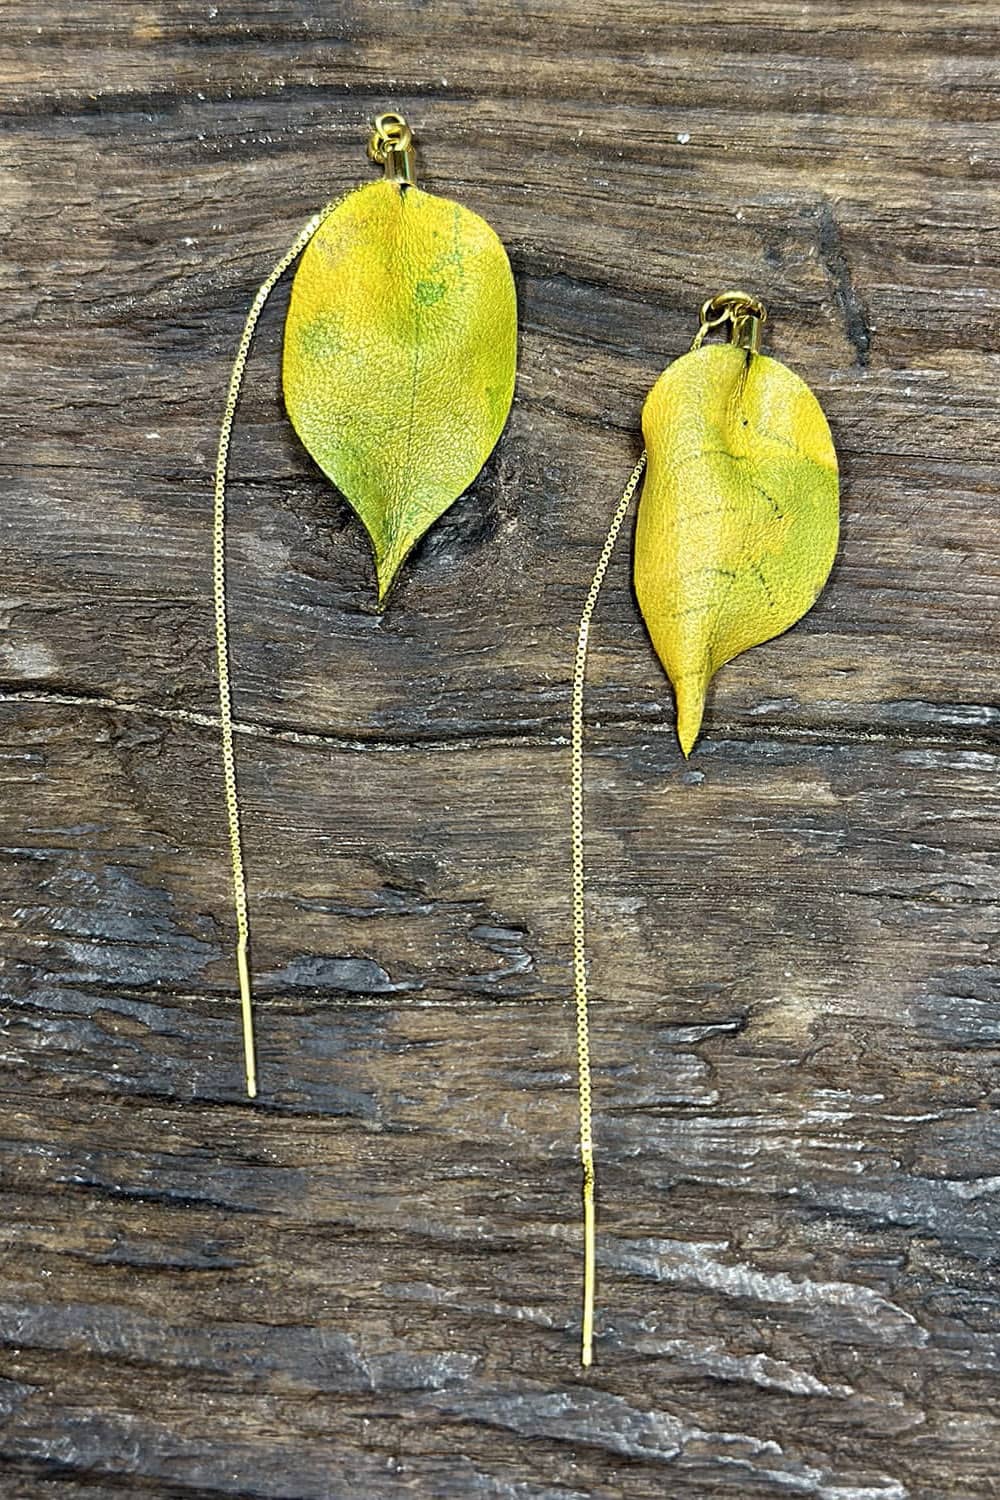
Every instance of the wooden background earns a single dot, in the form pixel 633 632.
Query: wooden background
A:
pixel 367 1285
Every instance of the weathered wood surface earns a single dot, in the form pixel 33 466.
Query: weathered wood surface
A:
pixel 367 1284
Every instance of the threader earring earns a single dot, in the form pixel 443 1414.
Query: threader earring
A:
pixel 736 535
pixel 398 376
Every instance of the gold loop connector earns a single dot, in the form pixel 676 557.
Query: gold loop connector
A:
pixel 391 146
pixel 744 314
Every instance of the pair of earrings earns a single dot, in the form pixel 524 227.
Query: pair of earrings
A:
pixel 398 375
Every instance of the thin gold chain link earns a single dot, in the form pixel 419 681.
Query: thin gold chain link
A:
pixel 222 634
pixel 579 917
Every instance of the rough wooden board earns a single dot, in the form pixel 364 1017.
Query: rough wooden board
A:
pixel 367 1285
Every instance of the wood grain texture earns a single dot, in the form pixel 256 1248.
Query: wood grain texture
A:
pixel 367 1286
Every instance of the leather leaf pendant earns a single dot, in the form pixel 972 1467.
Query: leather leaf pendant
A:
pixel 738 522
pixel 399 357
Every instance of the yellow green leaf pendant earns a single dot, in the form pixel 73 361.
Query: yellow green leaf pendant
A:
pixel 738 521
pixel 399 352
pixel 398 373
pixel 735 538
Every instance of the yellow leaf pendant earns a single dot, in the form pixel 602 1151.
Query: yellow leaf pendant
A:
pixel 738 522
pixel 736 535
pixel 398 372
pixel 399 357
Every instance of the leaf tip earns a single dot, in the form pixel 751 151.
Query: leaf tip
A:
pixel 384 582
pixel 690 694
pixel 387 566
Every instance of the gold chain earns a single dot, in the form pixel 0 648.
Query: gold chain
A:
pixel 579 916
pixel 222 634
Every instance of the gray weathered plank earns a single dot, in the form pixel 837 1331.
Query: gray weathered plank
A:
pixel 367 1284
